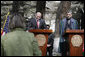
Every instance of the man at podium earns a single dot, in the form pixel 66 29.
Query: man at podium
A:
pixel 67 23
pixel 37 22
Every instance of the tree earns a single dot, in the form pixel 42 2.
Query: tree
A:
pixel 61 13
pixel 16 7
pixel 40 7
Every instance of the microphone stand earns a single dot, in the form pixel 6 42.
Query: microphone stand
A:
pixel 80 24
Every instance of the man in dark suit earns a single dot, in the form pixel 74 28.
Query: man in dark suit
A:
pixel 50 43
pixel 37 22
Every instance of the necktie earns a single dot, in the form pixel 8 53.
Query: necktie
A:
pixel 38 23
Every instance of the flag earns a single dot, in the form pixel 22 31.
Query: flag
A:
pixel 3 33
pixel 5 29
pixel 83 50
pixel 6 25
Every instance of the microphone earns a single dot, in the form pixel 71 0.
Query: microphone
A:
pixel 80 24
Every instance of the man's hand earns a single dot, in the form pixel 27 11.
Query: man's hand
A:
pixel 48 45
pixel 68 29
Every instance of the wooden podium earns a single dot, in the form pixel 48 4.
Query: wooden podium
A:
pixel 76 41
pixel 42 38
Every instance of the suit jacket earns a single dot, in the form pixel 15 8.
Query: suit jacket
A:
pixel 33 24
pixel 51 39
pixel 63 24
pixel 19 43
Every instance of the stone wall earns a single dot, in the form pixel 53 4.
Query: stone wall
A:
pixel 5 7
pixel 28 9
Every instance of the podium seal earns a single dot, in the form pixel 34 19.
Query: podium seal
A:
pixel 41 39
pixel 76 40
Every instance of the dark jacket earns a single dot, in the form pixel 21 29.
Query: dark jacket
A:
pixel 33 24
pixel 51 39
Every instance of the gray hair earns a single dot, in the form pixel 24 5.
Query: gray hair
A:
pixel 38 13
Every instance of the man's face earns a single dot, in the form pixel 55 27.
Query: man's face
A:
pixel 48 27
pixel 69 15
pixel 38 16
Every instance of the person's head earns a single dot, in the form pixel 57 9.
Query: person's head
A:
pixel 69 15
pixel 17 21
pixel 38 15
pixel 48 26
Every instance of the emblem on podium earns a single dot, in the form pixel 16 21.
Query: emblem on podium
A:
pixel 76 40
pixel 41 39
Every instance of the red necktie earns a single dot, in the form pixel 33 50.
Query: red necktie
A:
pixel 38 23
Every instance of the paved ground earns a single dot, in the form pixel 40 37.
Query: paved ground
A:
pixel 55 47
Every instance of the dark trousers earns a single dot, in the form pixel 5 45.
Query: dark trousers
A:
pixel 64 48
pixel 49 50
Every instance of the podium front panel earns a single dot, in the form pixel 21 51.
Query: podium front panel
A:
pixel 76 41
pixel 42 38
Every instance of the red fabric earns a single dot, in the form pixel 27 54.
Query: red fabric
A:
pixel 2 33
pixel 83 48
pixel 38 23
